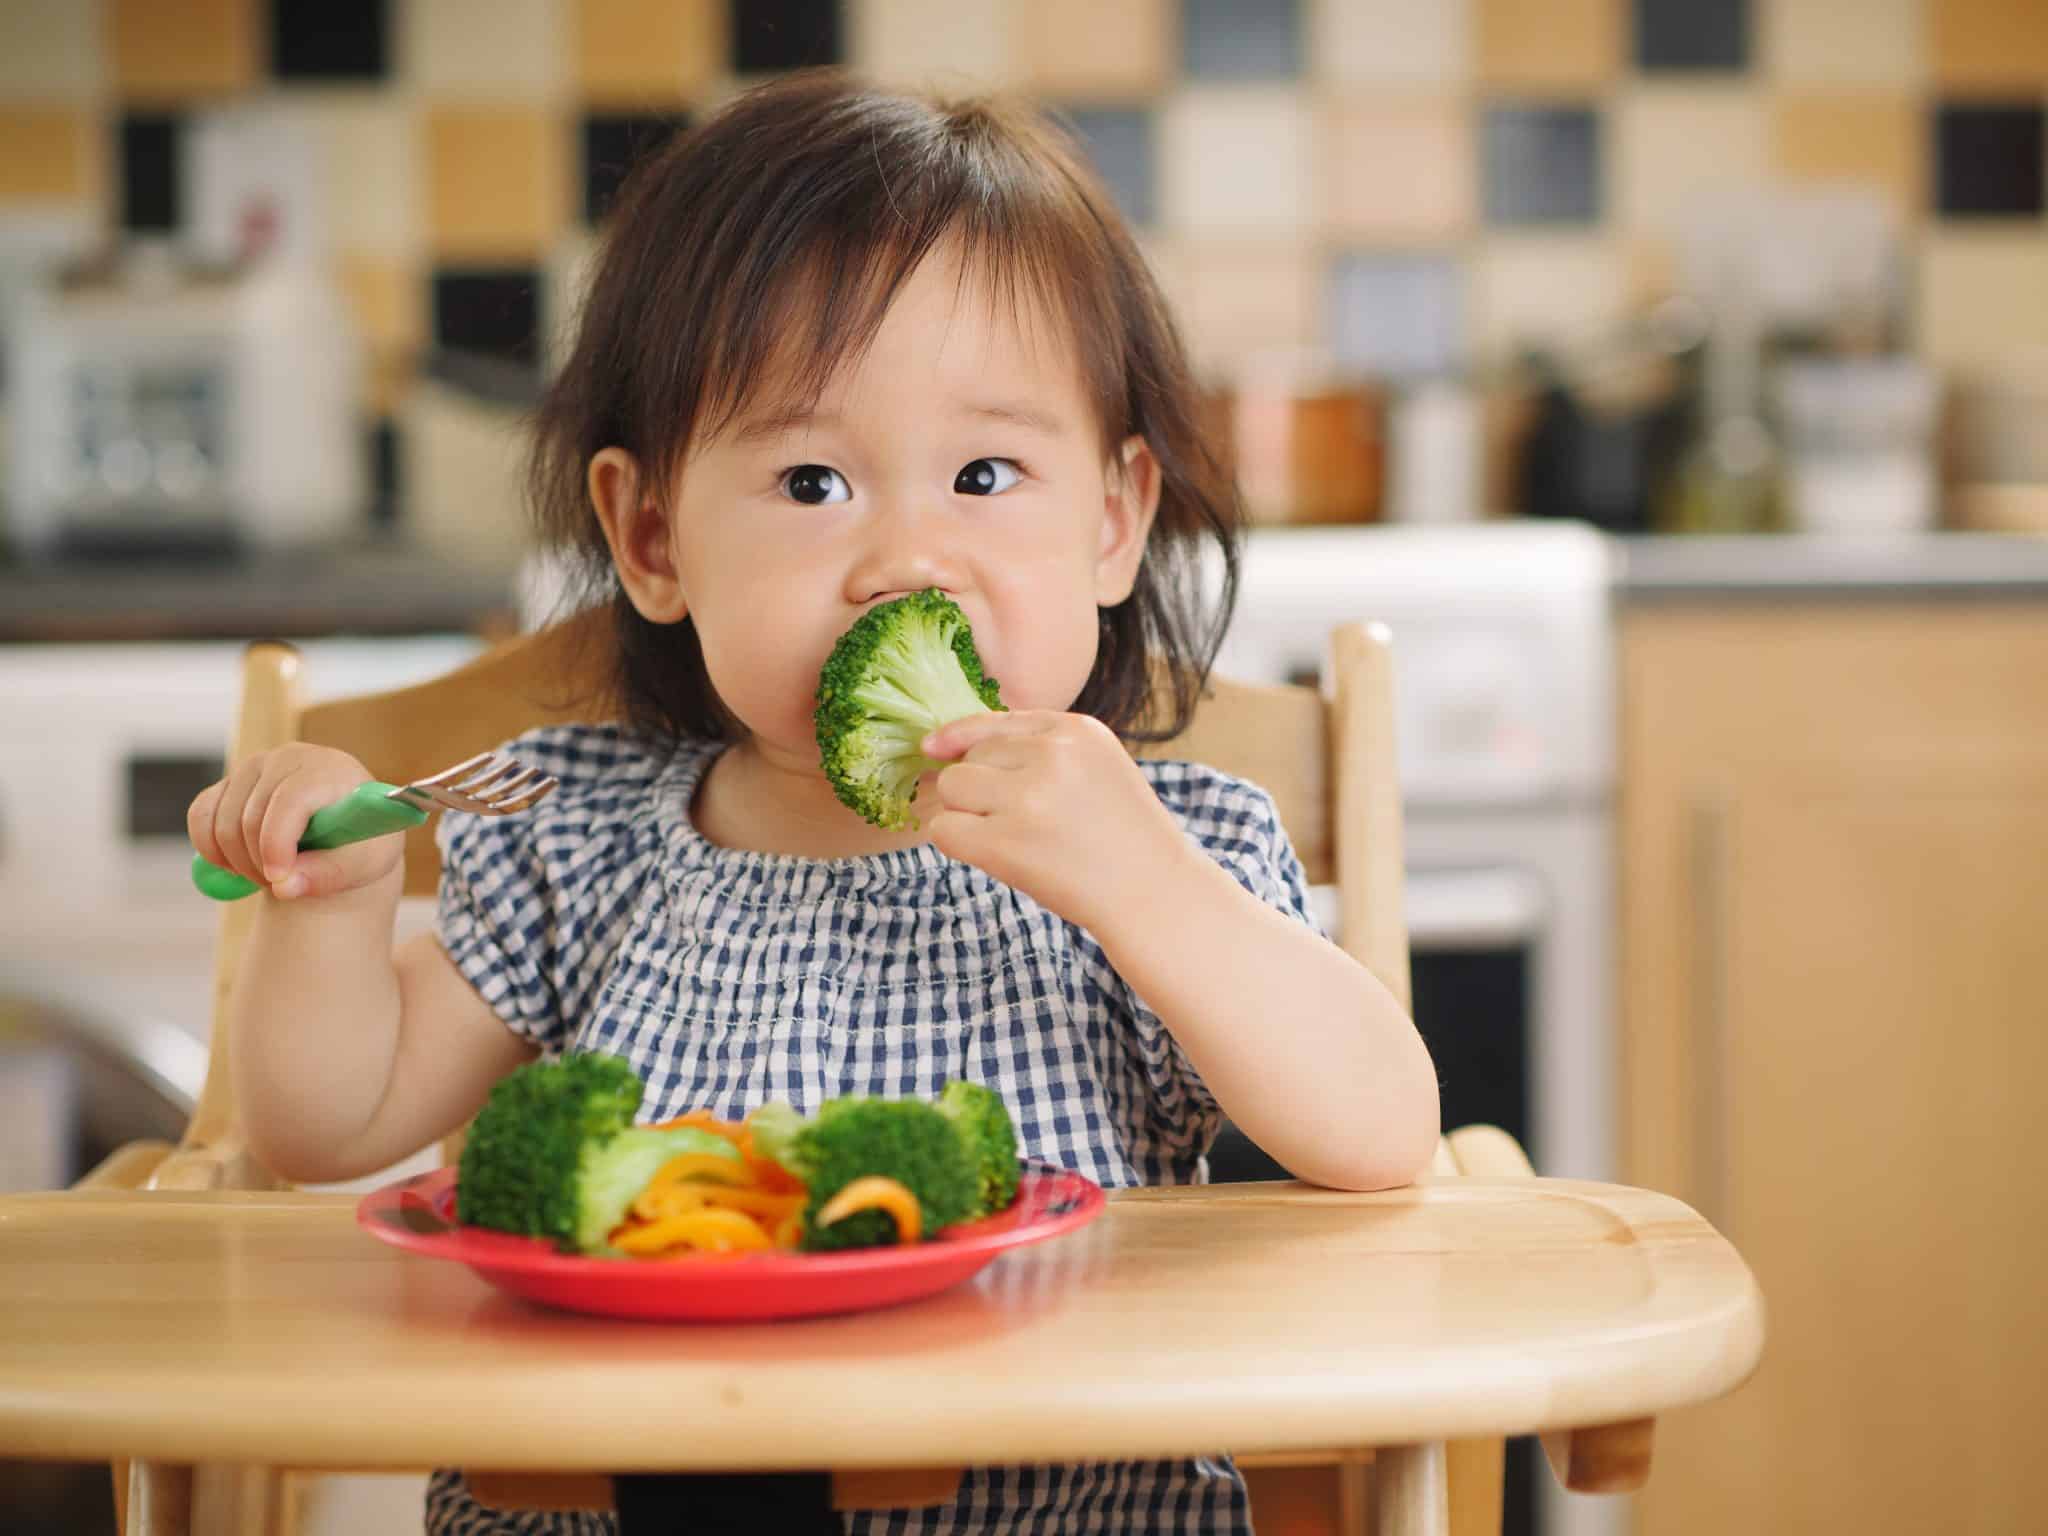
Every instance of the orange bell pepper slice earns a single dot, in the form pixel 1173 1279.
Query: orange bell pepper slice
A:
pixel 703 1231
pixel 875 1193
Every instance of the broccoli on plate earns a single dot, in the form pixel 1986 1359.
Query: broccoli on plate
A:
pixel 554 1152
pixel 905 668
pixel 944 1158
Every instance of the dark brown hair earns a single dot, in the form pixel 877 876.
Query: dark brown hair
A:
pixel 782 228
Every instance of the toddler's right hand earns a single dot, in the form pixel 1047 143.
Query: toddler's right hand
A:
pixel 251 821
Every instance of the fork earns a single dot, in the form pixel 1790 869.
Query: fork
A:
pixel 489 784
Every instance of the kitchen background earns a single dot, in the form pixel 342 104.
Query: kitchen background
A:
pixel 1670 375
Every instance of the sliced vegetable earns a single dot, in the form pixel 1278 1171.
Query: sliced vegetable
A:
pixel 874 1193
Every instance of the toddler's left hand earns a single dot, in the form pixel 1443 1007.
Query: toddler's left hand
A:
pixel 1052 804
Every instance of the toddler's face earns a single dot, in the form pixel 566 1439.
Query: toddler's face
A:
pixel 961 452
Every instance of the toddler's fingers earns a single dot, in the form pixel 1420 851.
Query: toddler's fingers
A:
pixel 290 805
pixel 953 739
pixel 199 821
pixel 323 873
pixel 278 770
pixel 233 850
pixel 972 787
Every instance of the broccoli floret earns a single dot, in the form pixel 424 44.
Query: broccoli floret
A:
pixel 906 1140
pixel 983 1121
pixel 554 1152
pixel 905 668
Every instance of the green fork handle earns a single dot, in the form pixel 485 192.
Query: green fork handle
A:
pixel 366 811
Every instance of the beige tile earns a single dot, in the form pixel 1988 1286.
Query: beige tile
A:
pixel 1399 168
pixel 496 182
pixel 1237 162
pixel 647 52
pixel 1086 50
pixel 1843 42
pixel 1983 295
pixel 1381 42
pixel 1876 139
pixel 180 50
pixel 1239 299
pixel 1680 149
pixel 370 145
pixel 49 50
pixel 486 50
pixel 1573 45
pixel 1545 289
pixel 45 155
pixel 945 45
pixel 2002 44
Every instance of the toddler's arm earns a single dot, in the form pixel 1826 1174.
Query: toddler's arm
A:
pixel 347 1055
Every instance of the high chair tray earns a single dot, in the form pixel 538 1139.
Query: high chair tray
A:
pixel 418 1215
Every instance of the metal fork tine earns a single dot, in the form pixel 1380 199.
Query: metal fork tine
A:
pixel 512 788
pixel 527 800
pixel 497 770
pixel 449 775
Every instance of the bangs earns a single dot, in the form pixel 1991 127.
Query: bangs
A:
pixel 798 310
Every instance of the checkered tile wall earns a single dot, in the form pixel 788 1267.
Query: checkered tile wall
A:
pixel 1416 183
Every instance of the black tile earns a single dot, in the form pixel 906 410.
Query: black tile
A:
pixel 613 143
pixel 1690 35
pixel 493 311
pixel 1241 39
pixel 1121 143
pixel 784 34
pixel 386 483
pixel 330 39
pixel 150 179
pixel 1541 164
pixel 1988 160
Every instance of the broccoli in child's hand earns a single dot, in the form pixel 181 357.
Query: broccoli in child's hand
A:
pixel 905 668
pixel 945 1156
pixel 554 1152
pixel 983 1121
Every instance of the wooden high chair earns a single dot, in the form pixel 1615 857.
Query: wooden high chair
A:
pixel 1327 759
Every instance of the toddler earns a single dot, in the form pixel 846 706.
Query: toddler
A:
pixel 840 346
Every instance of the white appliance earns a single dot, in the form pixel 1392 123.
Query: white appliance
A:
pixel 1504 702
pixel 104 747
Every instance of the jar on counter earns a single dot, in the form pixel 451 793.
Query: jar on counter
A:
pixel 1305 439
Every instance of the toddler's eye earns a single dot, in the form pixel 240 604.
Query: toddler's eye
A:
pixel 987 477
pixel 814 485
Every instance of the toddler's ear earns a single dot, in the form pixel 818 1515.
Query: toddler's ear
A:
pixel 637 530
pixel 1130 499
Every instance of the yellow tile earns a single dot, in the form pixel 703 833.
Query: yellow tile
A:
pixel 1875 138
pixel 648 52
pixel 44 155
pixel 1997 43
pixel 496 183
pixel 1397 168
pixel 1844 42
pixel 504 50
pixel 176 50
pixel 946 45
pixel 1557 45
pixel 1084 50
pixel 1983 295
pixel 1677 147
pixel 52 50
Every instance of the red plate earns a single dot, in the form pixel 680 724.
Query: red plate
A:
pixel 418 1214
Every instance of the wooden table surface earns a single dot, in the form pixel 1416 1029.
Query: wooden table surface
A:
pixel 267 1327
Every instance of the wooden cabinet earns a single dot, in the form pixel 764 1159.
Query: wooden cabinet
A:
pixel 1834 832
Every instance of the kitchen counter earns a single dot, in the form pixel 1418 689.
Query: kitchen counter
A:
pixel 375 587
pixel 1777 566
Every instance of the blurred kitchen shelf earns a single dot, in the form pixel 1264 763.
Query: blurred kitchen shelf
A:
pixel 1655 568
pixel 374 587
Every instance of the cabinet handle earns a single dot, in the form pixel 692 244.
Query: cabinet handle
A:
pixel 1707 864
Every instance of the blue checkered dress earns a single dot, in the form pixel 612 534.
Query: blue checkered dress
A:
pixel 604 921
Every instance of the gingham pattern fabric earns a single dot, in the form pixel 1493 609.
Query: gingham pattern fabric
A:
pixel 604 921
